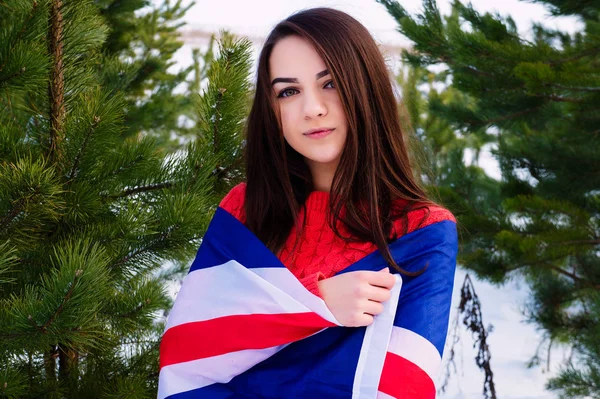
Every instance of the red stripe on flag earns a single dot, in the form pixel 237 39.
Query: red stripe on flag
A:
pixel 403 379
pixel 202 339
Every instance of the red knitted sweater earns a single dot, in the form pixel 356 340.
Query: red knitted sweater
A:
pixel 319 253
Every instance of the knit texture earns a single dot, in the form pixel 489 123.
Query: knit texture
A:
pixel 320 253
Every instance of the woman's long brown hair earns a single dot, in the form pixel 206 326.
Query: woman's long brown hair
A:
pixel 374 168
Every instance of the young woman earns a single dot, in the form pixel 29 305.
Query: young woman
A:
pixel 329 178
pixel 330 185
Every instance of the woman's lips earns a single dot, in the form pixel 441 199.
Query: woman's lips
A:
pixel 319 134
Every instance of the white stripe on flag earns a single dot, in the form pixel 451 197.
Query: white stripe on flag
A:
pixel 416 349
pixel 375 347
pixel 214 292
pixel 381 395
pixel 282 277
pixel 186 376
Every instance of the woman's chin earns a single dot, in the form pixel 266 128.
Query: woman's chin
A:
pixel 323 159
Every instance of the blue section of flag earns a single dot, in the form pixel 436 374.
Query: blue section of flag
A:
pixel 228 239
pixel 425 297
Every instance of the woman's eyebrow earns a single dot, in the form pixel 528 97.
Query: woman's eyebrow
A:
pixel 294 80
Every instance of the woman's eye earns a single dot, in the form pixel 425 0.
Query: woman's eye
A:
pixel 287 92
pixel 330 84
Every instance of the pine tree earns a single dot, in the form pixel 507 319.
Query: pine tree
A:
pixel 158 93
pixel 537 100
pixel 88 218
pixel 439 152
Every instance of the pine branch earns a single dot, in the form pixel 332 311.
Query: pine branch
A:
pixel 554 97
pixel 20 204
pixel 582 282
pixel 506 117
pixel 448 60
pixel 8 107
pixel 83 146
pixel 56 86
pixel 143 189
pixel 14 75
pixel 217 116
pixel 65 299
pixel 194 176
pixel 152 342
pixel 31 13
pixel 128 257
pixel 135 310
pixel 27 334
pixel 591 51
pixel 215 132
pixel 579 242
pixel 67 357
pixel 586 89
pixel 143 250
pixel 44 328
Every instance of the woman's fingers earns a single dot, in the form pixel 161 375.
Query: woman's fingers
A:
pixel 380 279
pixel 355 298
pixel 373 308
pixel 362 320
pixel 379 294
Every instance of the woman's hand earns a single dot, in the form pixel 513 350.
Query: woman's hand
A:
pixel 355 298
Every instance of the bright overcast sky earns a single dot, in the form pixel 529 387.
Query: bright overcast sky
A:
pixel 512 342
pixel 257 17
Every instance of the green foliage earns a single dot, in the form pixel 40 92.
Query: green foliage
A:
pixel 221 111
pixel 536 103
pixel 140 63
pixel 87 235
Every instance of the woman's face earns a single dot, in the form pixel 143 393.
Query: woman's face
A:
pixel 312 117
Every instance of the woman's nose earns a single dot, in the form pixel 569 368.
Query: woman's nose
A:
pixel 314 105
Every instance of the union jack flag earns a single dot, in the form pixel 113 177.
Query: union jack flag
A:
pixel 242 325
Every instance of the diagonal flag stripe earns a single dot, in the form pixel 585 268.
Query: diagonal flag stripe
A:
pixel 402 379
pixel 199 340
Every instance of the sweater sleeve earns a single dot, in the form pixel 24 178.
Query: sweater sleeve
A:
pixel 233 202
pixel 421 324
pixel 311 282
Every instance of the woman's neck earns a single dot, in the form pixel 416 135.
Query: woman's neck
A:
pixel 322 174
